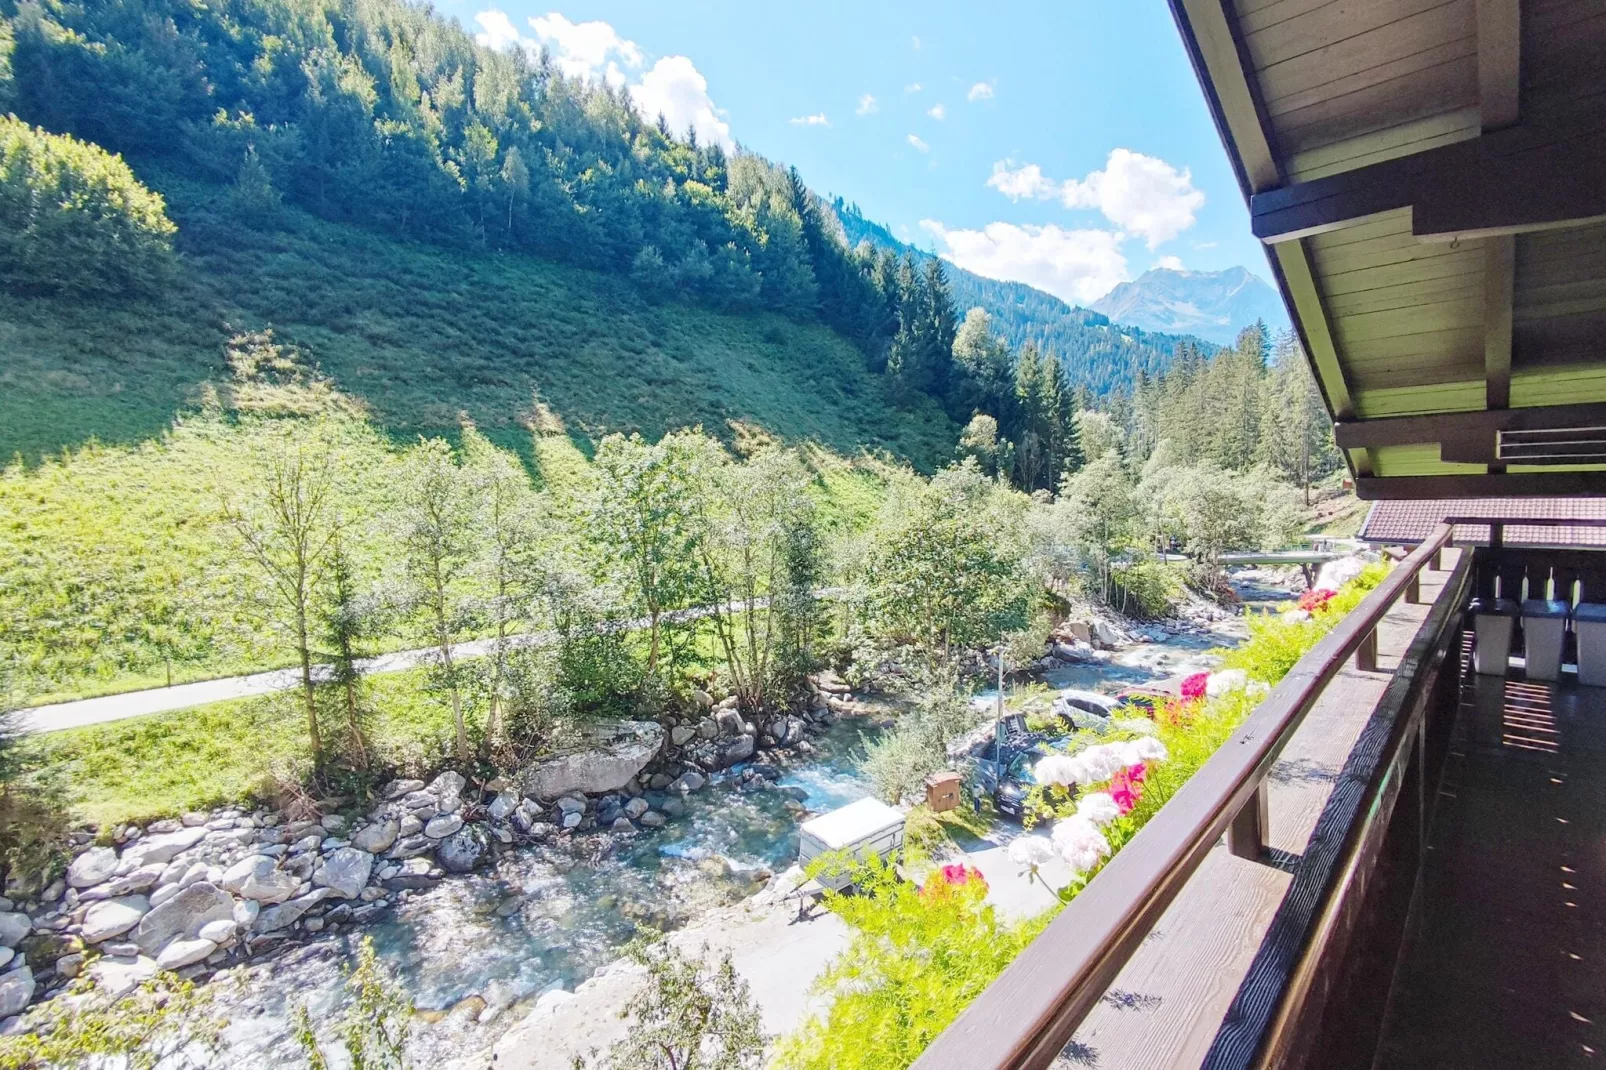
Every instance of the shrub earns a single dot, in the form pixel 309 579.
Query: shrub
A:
pixel 165 1022
pixel 73 217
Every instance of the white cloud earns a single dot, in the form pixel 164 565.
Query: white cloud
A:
pixel 938 112
pixel 1170 263
pixel 915 41
pixel 1202 245
pixel 913 87
pixel 583 49
pixel 1079 266
pixel 867 105
pixel 1023 183
pixel 980 91
pixel 497 31
pixel 1142 195
pixel 919 145
pixel 677 90
pixel 817 119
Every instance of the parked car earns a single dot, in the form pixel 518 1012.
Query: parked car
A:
pixel 1002 765
pixel 1073 701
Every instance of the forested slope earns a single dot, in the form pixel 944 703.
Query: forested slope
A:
pixel 1097 353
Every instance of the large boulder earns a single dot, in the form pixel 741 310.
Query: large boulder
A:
pixel 463 849
pixel 183 915
pixel 259 877
pixel 93 866
pixel 344 872
pixel 737 750
pixel 162 848
pixel 118 975
pixel 606 758
pixel 113 917
pixel 16 989
pixel 377 837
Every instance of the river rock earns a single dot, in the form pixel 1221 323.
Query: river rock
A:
pixel 702 698
pixel 92 867
pixel 410 826
pixel 377 837
pixel 652 819
pixel 397 788
pixel 286 914
pixel 259 877
pixel 503 806
pixel 219 932
pixel 113 917
pixel 13 927
pixel 737 750
pixel 441 827
pixel 572 819
pixel 183 915
pixel 344 872
pixel 448 785
pixel 681 735
pixel 729 722
pixel 609 754
pixel 621 824
pixel 526 815
pixel 16 989
pixel 410 847
pixel 636 807
pixel 118 975
pixel 142 879
pixel 688 782
pixel 180 953
pixel 162 848
pixel 462 851
pixel 245 913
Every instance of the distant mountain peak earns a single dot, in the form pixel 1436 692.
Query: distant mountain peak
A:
pixel 1215 305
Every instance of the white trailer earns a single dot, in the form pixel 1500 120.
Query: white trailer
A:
pixel 860 830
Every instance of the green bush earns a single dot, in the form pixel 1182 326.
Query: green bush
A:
pixel 74 218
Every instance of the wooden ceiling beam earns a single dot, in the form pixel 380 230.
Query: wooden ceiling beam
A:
pixel 1524 178
pixel 1464 426
pixel 1499 67
pixel 1503 485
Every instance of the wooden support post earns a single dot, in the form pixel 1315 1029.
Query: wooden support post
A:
pixel 1438 560
pixel 1366 653
pixel 1246 835
pixel 1413 592
pixel 1497 535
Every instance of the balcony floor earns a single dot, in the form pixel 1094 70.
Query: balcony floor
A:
pixel 1507 964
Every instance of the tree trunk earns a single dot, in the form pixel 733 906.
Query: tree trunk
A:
pixel 309 692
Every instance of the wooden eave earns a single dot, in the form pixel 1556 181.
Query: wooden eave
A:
pixel 1429 177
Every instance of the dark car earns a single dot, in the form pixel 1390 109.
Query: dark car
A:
pixel 1003 765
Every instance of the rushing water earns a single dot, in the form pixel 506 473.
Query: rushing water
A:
pixel 547 917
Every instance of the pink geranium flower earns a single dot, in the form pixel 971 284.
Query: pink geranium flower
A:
pixel 1127 787
pixel 1194 686
pixel 954 876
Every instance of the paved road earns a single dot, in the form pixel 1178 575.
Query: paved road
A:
pixel 63 715
pixel 87 711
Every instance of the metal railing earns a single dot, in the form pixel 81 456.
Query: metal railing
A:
pixel 1030 1012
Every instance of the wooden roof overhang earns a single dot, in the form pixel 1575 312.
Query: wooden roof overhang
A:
pixel 1429 177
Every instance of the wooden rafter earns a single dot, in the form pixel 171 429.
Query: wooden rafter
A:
pixel 1524 178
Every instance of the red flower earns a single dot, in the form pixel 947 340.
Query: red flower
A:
pixel 1194 686
pixel 1311 601
pixel 954 876
pixel 1126 788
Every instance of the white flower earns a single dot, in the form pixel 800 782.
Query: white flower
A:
pixel 1095 765
pixel 1147 749
pixel 1030 851
pixel 1055 769
pixel 1336 574
pixel 1080 843
pixel 1098 807
pixel 1225 682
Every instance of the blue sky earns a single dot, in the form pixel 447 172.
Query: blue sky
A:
pixel 1064 144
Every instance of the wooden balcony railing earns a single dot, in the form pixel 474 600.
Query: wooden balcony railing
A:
pixel 1029 1014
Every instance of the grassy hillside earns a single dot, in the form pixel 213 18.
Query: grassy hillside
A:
pixel 420 334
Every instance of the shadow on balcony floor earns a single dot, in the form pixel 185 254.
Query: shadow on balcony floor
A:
pixel 1507 967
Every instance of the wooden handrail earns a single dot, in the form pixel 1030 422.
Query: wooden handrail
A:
pixel 1029 1013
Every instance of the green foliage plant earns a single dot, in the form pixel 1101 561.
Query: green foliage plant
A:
pixel 915 961
pixel 74 218
pixel 374 1027
pixel 690 1014
pixel 165 1023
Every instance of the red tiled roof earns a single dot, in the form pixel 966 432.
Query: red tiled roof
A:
pixel 1406 522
